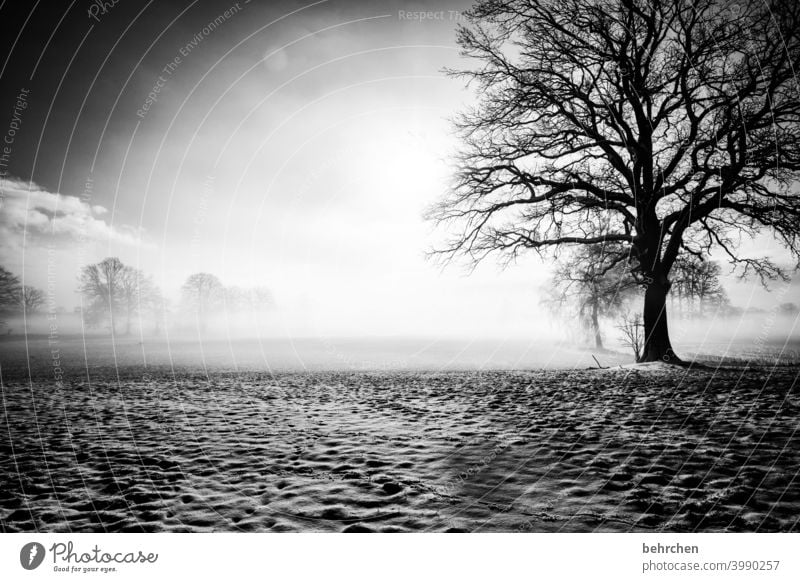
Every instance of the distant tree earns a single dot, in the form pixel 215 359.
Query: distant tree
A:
pixel 9 294
pixel 632 328
pixel 137 294
pixel 668 126
pixel 101 285
pixel 159 308
pixel 235 299
pixel 9 288
pixel 696 285
pixel 596 282
pixel 93 314
pixel 128 294
pixel 31 298
pixel 201 293
pixel 255 299
pixel 262 299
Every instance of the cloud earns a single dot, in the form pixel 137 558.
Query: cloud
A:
pixel 27 210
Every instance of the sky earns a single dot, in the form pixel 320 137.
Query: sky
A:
pixel 294 145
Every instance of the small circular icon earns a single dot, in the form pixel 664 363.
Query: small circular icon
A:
pixel 31 555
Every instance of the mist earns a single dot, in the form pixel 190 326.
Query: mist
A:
pixel 297 337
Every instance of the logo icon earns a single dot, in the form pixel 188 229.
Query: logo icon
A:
pixel 31 555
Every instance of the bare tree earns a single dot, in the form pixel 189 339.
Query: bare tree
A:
pixel 9 294
pixel 159 308
pixel 137 292
pixel 262 299
pixel 252 299
pixel 101 285
pixel 669 126
pixel 594 280
pixel 632 328
pixel 696 284
pixel 236 299
pixel 31 298
pixel 9 288
pixel 201 292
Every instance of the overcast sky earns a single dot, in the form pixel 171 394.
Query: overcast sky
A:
pixel 287 144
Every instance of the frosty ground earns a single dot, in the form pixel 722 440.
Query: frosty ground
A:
pixel 129 447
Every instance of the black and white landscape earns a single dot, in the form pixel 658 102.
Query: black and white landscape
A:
pixel 339 266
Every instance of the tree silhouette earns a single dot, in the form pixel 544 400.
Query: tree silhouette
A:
pixel 696 285
pixel 632 330
pixel 9 288
pixel 9 294
pixel 31 298
pixel 250 299
pixel 201 292
pixel 159 308
pixel 137 294
pixel 101 285
pixel 669 126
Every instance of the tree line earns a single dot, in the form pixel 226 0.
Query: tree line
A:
pixel 116 293
pixel 16 298
pixel 118 297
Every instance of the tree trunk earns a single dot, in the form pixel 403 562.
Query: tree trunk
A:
pixel 657 347
pixel 598 340
pixel 112 319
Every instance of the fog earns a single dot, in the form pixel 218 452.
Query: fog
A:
pixel 291 339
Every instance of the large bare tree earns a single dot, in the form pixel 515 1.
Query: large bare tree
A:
pixel 669 126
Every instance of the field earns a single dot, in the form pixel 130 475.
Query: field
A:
pixel 146 446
